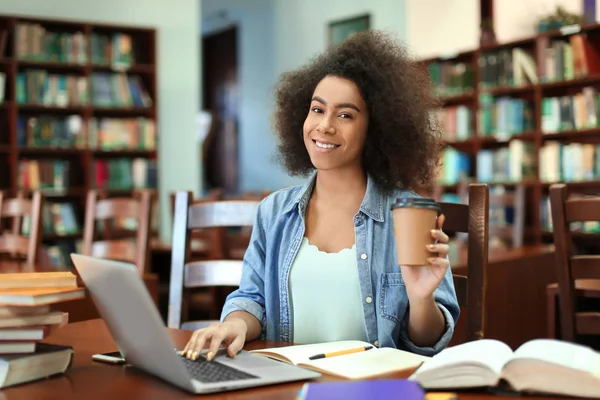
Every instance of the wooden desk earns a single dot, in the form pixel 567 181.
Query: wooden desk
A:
pixel 515 309
pixel 87 379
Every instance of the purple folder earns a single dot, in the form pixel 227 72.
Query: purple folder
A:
pixel 362 390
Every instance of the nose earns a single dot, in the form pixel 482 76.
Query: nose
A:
pixel 326 127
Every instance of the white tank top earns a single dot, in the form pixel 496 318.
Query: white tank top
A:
pixel 325 296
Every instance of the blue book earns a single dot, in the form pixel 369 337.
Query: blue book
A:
pixel 362 390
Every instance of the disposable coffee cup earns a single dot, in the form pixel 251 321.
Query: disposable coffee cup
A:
pixel 414 218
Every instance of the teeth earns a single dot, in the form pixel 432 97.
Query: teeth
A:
pixel 325 145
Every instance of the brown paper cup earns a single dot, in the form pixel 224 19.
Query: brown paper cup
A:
pixel 414 218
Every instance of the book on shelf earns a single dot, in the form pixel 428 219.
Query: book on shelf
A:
pixel 44 174
pixel 569 58
pixel 35 42
pixel 452 78
pixel 44 88
pixel 569 162
pixel 123 173
pixel 504 117
pixel 364 364
pixel 121 134
pixel 50 131
pixel 47 360
pixel 507 67
pixel 541 366
pixel 571 112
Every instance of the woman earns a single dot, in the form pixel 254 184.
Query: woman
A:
pixel 321 263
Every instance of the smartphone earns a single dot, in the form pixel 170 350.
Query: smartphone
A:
pixel 114 357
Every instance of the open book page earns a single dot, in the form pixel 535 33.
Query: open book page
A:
pixel 367 363
pixel 490 353
pixel 300 353
pixel 566 354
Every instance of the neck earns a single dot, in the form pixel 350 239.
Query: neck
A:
pixel 345 187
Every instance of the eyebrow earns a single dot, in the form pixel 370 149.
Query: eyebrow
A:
pixel 341 105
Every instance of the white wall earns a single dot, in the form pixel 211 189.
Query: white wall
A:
pixel 442 27
pixel 301 26
pixel 517 19
pixel 178 76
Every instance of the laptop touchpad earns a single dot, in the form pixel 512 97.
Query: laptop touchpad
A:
pixel 245 359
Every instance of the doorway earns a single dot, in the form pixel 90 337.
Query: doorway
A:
pixel 221 97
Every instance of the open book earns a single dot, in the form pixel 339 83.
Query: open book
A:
pixel 543 366
pixel 376 361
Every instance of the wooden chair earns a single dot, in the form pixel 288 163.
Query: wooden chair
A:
pixel 206 243
pixel 472 219
pixel 14 243
pixel 124 249
pixel 578 275
pixel 186 274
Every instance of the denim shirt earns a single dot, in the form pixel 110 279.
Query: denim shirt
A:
pixel 276 237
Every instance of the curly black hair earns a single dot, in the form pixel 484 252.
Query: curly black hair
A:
pixel 403 144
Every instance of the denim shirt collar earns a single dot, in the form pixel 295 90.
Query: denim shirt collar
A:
pixel 372 204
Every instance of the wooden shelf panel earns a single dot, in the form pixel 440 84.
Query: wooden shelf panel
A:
pixel 457 99
pixel 40 108
pixel 70 192
pixel 50 151
pixel 134 69
pixel 122 112
pixel 579 184
pixel 571 135
pixel 124 153
pixel 508 90
pixel 52 65
pixel 567 84
pixel 526 42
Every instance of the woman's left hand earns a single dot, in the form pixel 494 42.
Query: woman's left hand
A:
pixel 422 281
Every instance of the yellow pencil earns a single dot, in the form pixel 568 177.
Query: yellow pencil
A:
pixel 340 353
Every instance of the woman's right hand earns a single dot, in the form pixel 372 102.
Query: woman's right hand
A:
pixel 231 333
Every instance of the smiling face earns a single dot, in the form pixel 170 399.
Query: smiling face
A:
pixel 335 128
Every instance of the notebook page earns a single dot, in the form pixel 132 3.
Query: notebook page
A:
pixel 567 354
pixel 492 353
pixel 369 363
pixel 300 353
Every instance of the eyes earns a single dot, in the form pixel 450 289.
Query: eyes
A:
pixel 343 115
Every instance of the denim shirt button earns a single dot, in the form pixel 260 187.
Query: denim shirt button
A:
pixel 368 299
pixel 363 256
pixel 376 343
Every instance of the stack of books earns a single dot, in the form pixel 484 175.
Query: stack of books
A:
pixel 27 318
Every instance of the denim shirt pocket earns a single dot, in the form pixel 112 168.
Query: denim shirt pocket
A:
pixel 393 299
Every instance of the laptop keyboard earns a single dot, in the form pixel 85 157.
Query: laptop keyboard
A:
pixel 212 371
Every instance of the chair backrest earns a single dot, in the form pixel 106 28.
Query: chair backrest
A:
pixel 138 207
pixel 515 200
pixel 14 242
pixel 206 243
pixel 472 219
pixel 571 266
pixel 185 274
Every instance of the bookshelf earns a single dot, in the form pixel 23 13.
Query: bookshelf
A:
pixel 78 111
pixel 523 113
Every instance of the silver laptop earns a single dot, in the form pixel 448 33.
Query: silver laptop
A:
pixel 139 331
